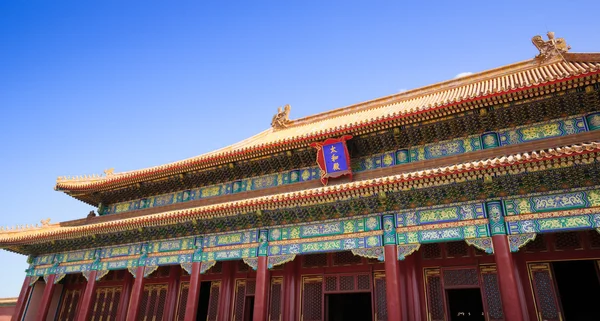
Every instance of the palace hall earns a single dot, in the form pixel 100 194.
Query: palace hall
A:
pixel 476 198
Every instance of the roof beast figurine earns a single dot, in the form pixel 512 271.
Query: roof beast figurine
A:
pixel 282 118
pixel 550 48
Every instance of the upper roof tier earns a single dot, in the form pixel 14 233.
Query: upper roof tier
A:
pixel 554 64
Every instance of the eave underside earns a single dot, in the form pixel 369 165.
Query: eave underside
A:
pixel 555 169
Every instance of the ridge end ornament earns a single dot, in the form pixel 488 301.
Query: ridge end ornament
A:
pixel 550 48
pixel 333 158
pixel 282 118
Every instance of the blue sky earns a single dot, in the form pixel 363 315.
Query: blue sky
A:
pixel 87 86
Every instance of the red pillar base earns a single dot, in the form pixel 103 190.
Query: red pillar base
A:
pixel 509 288
pixel 262 290
pixel 191 307
pixel 392 283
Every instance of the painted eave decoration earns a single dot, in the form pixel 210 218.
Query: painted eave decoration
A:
pixel 52 232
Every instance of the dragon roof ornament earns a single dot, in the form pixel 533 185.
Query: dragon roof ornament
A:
pixel 282 118
pixel 550 48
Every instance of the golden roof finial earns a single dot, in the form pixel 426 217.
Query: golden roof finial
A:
pixel 109 172
pixel 282 118
pixel 45 222
pixel 550 48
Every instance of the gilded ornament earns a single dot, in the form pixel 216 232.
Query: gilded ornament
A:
pixel 281 119
pixel 550 48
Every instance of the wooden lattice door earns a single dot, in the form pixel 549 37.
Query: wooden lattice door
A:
pixel 152 304
pixel 380 297
pixel 276 300
pixel 106 303
pixel 213 301
pixel 312 298
pixel 240 300
pixel 544 290
pixel 184 290
pixel 69 304
pixel 491 293
pixel 436 310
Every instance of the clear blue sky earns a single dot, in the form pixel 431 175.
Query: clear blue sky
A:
pixel 131 84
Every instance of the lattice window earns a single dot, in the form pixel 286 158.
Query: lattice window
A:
pixel 213 302
pixel 594 238
pixel 251 287
pixel 457 249
pixel 537 245
pixel 435 295
pixel 545 294
pixel 492 293
pixel 312 299
pixel 346 258
pixel 331 283
pixel 184 291
pixel 364 282
pixel 106 303
pixel 431 251
pixel 314 260
pixel 153 301
pixel 68 305
pixel 275 306
pixel 240 298
pixel 460 277
pixel 380 295
pixel 567 240
pixel 347 283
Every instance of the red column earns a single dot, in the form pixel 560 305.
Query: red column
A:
pixel 191 307
pixel 172 291
pixel 392 283
pixel 289 291
pixel 226 294
pixel 412 283
pixel 509 289
pixel 261 295
pixel 86 300
pixel 136 293
pixel 46 299
pixel 23 295
pixel 124 302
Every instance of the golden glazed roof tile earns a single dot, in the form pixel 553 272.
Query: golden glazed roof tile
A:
pixel 312 196
pixel 511 78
